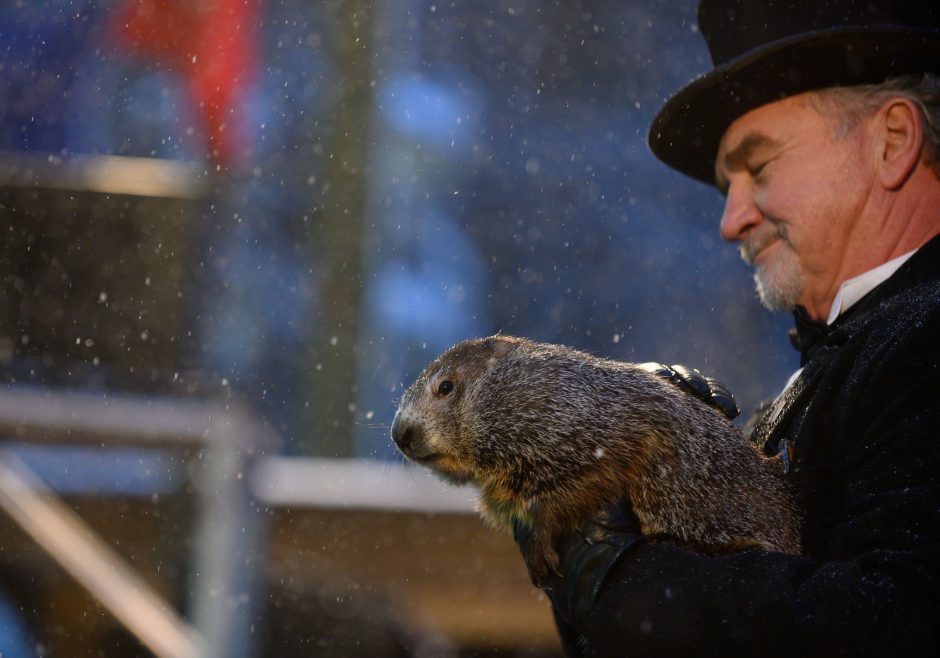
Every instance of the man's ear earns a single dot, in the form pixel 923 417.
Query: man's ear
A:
pixel 901 141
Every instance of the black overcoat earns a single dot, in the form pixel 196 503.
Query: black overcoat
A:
pixel 862 423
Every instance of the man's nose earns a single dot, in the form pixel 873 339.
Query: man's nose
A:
pixel 740 213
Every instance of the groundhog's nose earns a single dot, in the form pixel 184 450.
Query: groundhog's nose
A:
pixel 406 435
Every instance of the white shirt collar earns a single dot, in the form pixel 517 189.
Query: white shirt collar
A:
pixel 857 287
pixel 849 293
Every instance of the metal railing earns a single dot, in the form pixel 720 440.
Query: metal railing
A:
pixel 225 441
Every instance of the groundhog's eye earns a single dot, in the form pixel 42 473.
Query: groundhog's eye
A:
pixel 445 387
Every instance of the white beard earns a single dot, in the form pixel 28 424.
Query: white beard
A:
pixel 780 285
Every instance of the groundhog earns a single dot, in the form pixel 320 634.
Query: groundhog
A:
pixel 552 436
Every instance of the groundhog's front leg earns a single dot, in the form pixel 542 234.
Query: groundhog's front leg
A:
pixel 541 556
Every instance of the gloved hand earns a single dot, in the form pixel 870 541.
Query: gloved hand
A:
pixel 585 558
pixel 710 391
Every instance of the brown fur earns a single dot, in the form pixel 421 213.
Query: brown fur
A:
pixel 551 436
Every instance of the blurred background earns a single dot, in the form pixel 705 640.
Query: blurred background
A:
pixel 233 231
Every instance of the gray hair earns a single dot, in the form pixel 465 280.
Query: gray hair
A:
pixel 854 103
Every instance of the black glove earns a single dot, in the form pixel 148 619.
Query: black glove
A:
pixel 585 558
pixel 710 391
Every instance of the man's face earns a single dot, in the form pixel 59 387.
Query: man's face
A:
pixel 796 181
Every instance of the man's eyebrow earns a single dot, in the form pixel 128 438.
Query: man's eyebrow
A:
pixel 736 158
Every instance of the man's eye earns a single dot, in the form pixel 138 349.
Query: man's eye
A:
pixel 756 170
pixel 445 387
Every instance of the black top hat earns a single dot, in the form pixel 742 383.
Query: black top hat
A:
pixel 765 50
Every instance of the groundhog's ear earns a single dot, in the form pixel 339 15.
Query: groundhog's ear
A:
pixel 501 345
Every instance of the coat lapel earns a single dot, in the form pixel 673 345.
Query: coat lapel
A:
pixel 779 415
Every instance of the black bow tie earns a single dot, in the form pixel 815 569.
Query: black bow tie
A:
pixel 807 335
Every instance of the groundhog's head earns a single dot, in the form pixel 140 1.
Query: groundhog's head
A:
pixel 435 422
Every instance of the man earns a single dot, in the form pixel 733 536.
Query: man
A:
pixel 820 127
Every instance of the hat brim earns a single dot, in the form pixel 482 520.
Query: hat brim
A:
pixel 686 131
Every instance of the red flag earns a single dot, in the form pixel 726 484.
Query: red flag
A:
pixel 210 43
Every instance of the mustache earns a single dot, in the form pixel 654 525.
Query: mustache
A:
pixel 755 242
